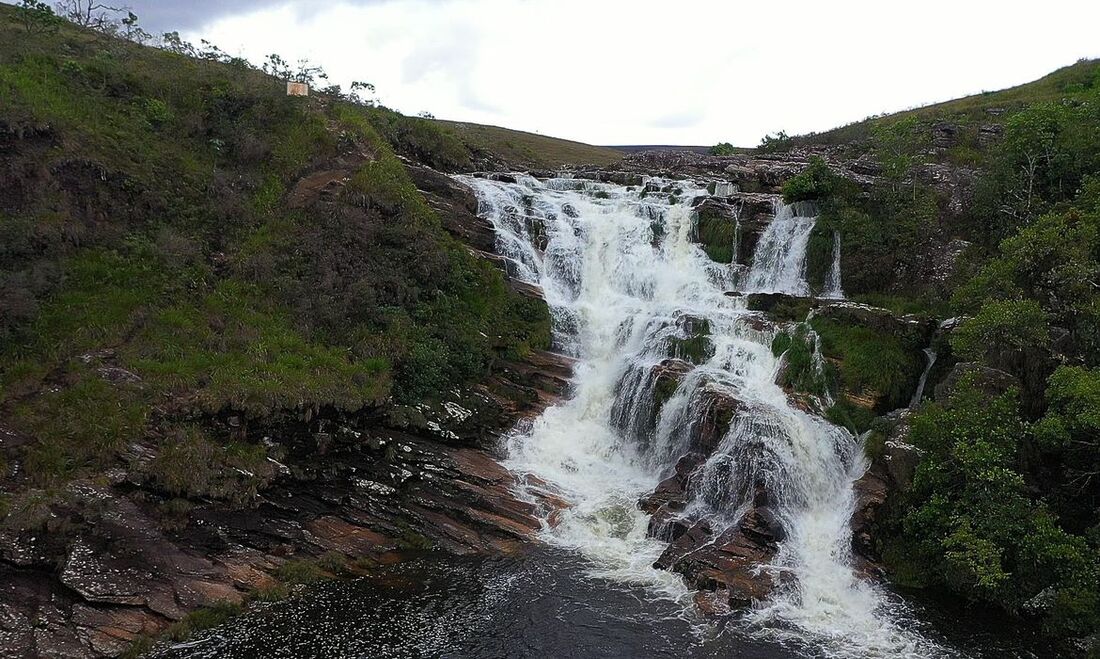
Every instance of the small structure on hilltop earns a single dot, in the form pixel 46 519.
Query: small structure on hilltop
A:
pixel 296 88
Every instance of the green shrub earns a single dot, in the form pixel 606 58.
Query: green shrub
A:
pixel 970 522
pixel 1000 326
pixel 815 183
pixel 189 464
pixel 722 149
pixel 717 236
pixel 300 571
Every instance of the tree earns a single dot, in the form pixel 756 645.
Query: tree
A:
pixel 361 92
pixel 898 145
pixel 132 31
pixel 37 16
pixel 89 13
pixel 771 143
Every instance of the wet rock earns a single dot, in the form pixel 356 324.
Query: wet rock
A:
pixel 780 306
pixel 915 330
pixel 727 562
pixel 871 492
pixel 716 410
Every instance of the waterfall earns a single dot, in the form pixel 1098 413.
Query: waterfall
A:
pixel 628 290
pixel 833 289
pixel 779 263
pixel 930 357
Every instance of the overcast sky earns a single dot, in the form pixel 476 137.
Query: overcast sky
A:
pixel 636 72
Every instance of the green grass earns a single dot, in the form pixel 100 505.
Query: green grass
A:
pixel 717 236
pixel 871 362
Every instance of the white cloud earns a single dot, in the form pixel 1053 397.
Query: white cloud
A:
pixel 687 72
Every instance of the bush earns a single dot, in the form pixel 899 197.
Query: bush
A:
pixel 190 464
pixel 815 183
pixel 722 149
pixel 1001 326
pixel 872 363
pixel 970 522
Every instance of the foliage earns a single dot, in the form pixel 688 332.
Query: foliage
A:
pixel 722 149
pixel 815 183
pixel 1055 264
pixel 717 235
pixel 775 142
pixel 1067 436
pixel 37 16
pixel 898 146
pixel 160 275
pixel 1047 153
pixel 802 372
pixel 190 464
pixel 972 525
pixel 1001 326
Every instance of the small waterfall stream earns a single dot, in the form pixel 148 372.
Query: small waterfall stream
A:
pixel 627 288
pixel 930 361
pixel 833 289
pixel 779 264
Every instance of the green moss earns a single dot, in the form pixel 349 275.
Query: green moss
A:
pixel 871 363
pixel 203 619
pixel 819 257
pixel 800 372
pixel 716 235
pixel 301 571
pixel 697 346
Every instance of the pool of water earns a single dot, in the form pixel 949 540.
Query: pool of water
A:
pixel 541 605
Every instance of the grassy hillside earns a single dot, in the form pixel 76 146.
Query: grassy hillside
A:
pixel 977 108
pixel 181 243
pixel 528 149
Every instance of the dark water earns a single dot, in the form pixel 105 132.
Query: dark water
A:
pixel 540 606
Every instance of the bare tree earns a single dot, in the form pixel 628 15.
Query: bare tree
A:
pixel 89 13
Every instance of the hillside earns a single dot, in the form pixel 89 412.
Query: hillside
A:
pixel 975 109
pixel 527 150
pixel 211 295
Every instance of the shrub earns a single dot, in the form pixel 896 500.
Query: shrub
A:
pixel 1001 326
pixel 970 522
pixel 189 464
pixel 815 183
pixel 722 149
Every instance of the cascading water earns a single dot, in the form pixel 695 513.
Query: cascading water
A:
pixel 833 289
pixel 930 361
pixel 628 290
pixel 779 264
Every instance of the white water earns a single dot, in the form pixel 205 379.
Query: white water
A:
pixel 619 298
pixel 779 263
pixel 930 361
pixel 833 288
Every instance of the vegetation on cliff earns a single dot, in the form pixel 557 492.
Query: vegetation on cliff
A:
pixel 181 242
